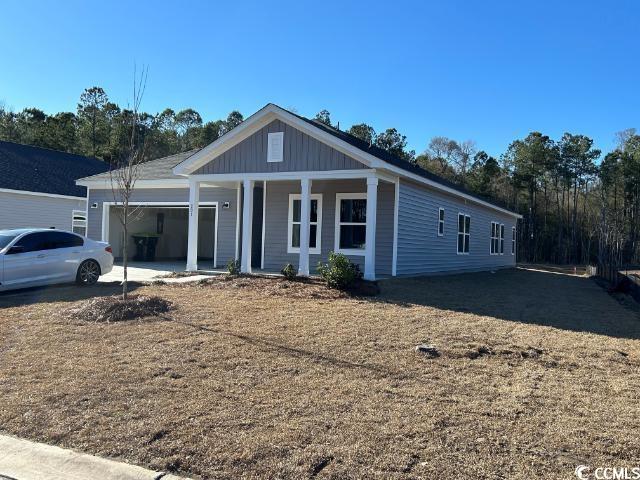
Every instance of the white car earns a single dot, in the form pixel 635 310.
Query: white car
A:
pixel 34 256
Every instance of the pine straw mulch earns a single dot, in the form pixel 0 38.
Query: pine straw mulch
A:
pixel 115 309
pixel 536 373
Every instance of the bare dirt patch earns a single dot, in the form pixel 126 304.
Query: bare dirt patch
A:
pixel 244 382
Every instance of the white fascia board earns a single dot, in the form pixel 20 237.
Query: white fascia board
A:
pixel 159 183
pixel 40 194
pixel 251 125
pixel 274 176
pixel 452 191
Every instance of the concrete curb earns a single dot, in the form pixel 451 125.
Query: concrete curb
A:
pixel 24 460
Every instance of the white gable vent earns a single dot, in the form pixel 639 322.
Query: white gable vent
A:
pixel 274 151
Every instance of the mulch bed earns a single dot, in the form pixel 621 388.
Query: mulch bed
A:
pixel 115 309
pixel 275 286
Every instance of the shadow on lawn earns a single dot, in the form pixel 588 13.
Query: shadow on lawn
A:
pixel 540 298
pixel 61 293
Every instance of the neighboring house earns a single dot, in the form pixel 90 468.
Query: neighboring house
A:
pixel 280 188
pixel 38 187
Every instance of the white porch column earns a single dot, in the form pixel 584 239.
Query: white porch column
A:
pixel 370 240
pixel 194 207
pixel 247 220
pixel 305 213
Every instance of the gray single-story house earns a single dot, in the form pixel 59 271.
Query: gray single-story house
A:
pixel 38 187
pixel 280 188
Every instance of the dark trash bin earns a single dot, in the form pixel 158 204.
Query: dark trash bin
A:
pixel 145 246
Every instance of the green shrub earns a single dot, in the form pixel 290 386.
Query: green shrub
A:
pixel 233 266
pixel 289 272
pixel 339 272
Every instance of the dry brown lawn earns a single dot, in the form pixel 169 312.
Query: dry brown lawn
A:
pixel 537 373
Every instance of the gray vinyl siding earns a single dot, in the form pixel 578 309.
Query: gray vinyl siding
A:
pixel 422 251
pixel 226 216
pixel 300 151
pixel 22 211
pixel 277 217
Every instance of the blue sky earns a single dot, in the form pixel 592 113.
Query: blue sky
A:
pixel 481 70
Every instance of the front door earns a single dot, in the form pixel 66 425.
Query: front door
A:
pixel 256 227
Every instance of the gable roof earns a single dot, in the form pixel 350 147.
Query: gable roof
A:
pixel 371 155
pixel 41 170
pixel 158 169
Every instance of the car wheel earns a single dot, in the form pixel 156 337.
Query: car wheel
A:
pixel 88 273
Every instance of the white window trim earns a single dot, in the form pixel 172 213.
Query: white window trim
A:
pixel 441 210
pixel 465 233
pixel 270 136
pixel 513 240
pixel 337 249
pixel 318 247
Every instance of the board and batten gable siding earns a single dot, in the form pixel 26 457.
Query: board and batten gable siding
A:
pixel 422 251
pixel 20 210
pixel 301 152
pixel 277 217
pixel 226 216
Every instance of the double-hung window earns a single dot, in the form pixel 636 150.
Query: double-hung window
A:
pixel 513 240
pixel 440 222
pixel 494 237
pixel 351 223
pixel 315 223
pixel 464 227
pixel 497 238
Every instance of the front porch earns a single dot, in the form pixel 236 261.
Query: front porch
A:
pixel 299 218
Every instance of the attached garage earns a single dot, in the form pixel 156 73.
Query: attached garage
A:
pixel 170 223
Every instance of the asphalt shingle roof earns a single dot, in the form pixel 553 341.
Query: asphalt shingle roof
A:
pixel 36 169
pixel 158 169
pixel 393 160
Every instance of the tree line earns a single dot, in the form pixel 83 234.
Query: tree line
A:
pixel 578 205
pixel 101 128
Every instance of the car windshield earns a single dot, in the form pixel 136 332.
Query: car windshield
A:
pixel 6 240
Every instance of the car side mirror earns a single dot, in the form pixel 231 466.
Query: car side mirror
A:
pixel 15 249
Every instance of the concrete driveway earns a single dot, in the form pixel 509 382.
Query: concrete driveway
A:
pixel 142 271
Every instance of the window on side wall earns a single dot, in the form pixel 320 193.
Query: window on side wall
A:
pixel 494 237
pixel 351 223
pixel 513 240
pixel 501 239
pixel 315 223
pixel 79 222
pixel 441 222
pixel 464 236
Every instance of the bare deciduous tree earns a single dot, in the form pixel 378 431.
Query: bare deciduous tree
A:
pixel 125 170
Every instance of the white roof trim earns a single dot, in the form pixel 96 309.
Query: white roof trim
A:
pixel 105 183
pixel 272 112
pixel 40 194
